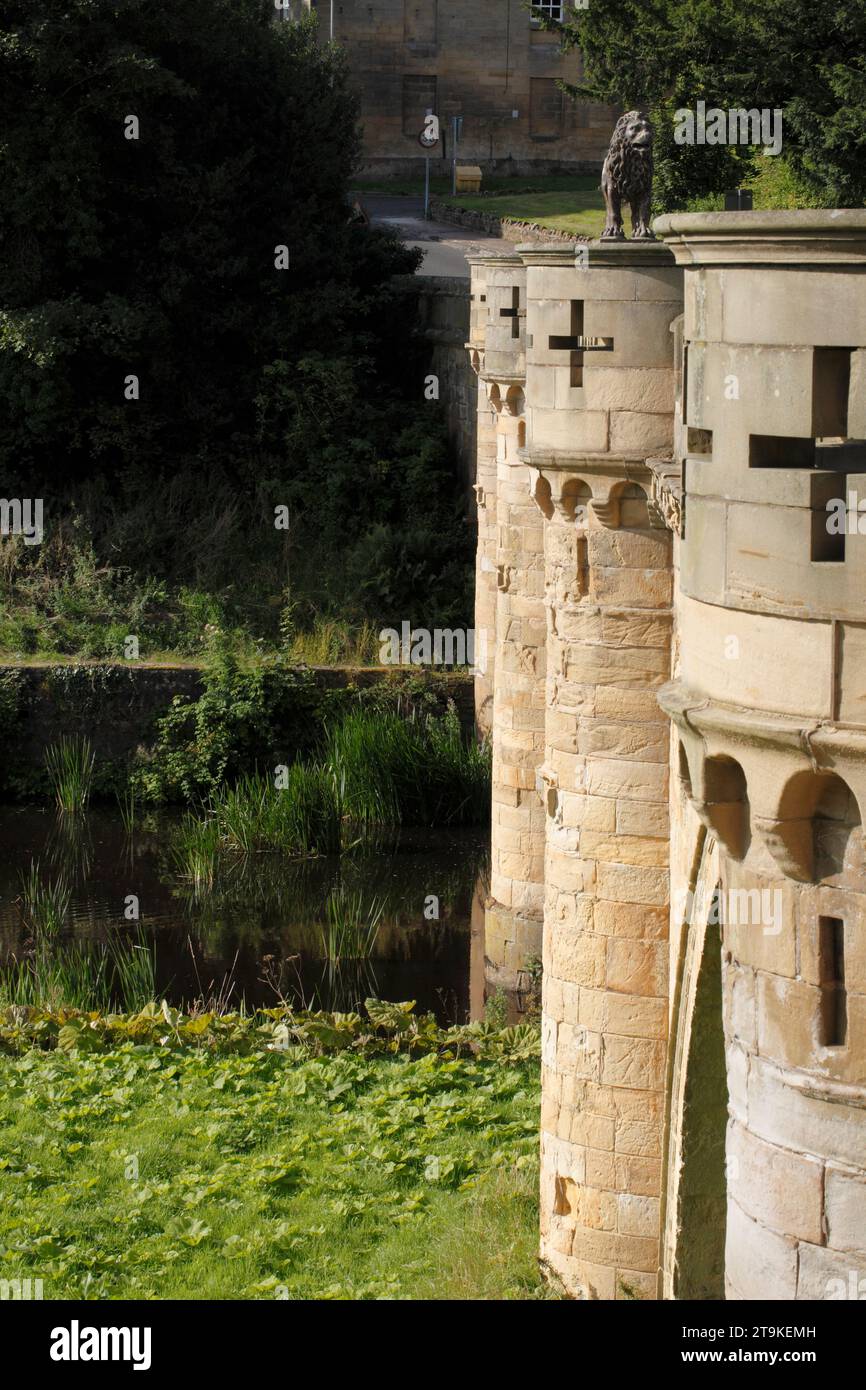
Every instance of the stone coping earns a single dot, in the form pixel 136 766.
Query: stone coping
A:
pixel 799 236
pixel 494 258
pixel 822 739
pixel 609 254
pixel 627 465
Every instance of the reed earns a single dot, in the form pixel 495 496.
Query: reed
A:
pixel 45 902
pixel 116 976
pixel 195 850
pixel 127 807
pixel 389 770
pixel 379 771
pixel 70 764
pixel 351 925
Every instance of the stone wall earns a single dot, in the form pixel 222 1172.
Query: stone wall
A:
pixel 487 62
pixel 116 704
pixel 443 320
pixel 685 413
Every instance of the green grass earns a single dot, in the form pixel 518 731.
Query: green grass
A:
pixel 568 203
pixel 146 1173
pixel 392 771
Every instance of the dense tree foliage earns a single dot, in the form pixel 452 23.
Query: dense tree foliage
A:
pixel 807 60
pixel 154 158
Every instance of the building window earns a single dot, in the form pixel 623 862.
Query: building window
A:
pixel 419 21
pixel 545 108
pixel 546 9
pixel 419 97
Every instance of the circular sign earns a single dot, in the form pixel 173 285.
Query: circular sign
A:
pixel 427 140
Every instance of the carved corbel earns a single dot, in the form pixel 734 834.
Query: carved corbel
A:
pixel 665 502
pixel 605 503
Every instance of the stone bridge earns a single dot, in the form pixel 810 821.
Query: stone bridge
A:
pixel 678 713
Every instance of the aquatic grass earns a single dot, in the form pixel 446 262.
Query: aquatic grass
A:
pixel 133 971
pixel 114 976
pixel 348 938
pixel 70 764
pixel 351 926
pixel 390 770
pixel 75 976
pixel 195 850
pixel 299 816
pixel 46 901
pixel 379 771
pixel 126 805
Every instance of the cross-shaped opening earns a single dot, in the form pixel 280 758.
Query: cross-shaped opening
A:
pixel 576 343
pixel 513 312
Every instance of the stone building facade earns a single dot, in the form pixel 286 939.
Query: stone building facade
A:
pixel 487 61
pixel 679 730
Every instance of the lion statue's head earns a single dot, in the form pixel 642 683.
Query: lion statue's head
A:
pixel 630 157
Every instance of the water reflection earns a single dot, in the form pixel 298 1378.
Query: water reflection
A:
pixel 259 932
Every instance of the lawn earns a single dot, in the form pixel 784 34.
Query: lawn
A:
pixel 156 1173
pixel 568 203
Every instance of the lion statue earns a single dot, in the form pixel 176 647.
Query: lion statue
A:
pixel 627 175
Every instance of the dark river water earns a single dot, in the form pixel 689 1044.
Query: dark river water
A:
pixel 259 933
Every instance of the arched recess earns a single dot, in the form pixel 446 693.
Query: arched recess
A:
pixel 817 837
pixel 633 508
pixel 695 1217
pixel 521 435
pixel 726 804
pixel 575 499
pixel 514 400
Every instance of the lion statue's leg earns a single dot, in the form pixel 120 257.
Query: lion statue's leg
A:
pixel 640 213
pixel 613 203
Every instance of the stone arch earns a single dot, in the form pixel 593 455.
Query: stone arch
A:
pixel 624 506
pixel 683 768
pixel 695 1217
pixel 494 395
pixel 726 804
pixel 816 836
pixel 514 400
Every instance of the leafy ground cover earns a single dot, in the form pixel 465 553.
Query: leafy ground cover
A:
pixel 187 1170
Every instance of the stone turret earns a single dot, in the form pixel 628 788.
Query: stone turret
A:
pixel 769 717
pixel 600 399
pixel 514 912
pixel 690 422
